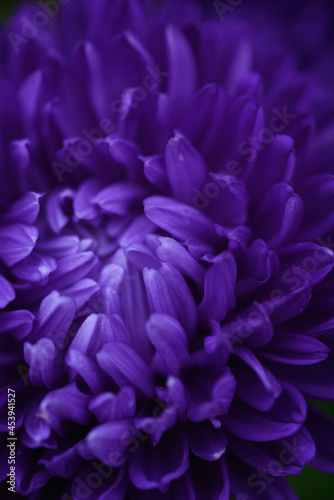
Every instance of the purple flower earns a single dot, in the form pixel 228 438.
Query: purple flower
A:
pixel 166 263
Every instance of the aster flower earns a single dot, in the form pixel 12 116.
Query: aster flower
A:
pixel 166 263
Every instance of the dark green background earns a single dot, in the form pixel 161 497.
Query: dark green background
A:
pixel 310 485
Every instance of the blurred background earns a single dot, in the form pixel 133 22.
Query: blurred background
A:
pixel 311 484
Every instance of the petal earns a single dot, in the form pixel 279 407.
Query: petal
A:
pixel 84 206
pixel 205 117
pixel 219 283
pixel 284 419
pixel 315 381
pixel 56 209
pixel 255 267
pixel 249 483
pixel 277 458
pixel 16 325
pixel 205 441
pixel 119 198
pixel 114 407
pixel 155 171
pixel 252 327
pixel 16 242
pixel 55 316
pixel 169 340
pixel 44 364
pixel 73 268
pixel 182 68
pixel 185 167
pixel 81 291
pixel 59 247
pixel 155 467
pixel 173 253
pixel 180 220
pixel 108 442
pixel 25 210
pixel 168 293
pixel 66 403
pixel 156 426
pixel 226 200
pixel 279 215
pixel 295 349
pixel 126 367
pixel 62 464
pixel 7 292
pixel 317 260
pixel 290 297
pixel 210 390
pixel 86 368
pixel 275 163
pixel 255 384
pixel 35 268
pixel 93 332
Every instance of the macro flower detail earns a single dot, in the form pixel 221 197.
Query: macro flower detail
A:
pixel 166 262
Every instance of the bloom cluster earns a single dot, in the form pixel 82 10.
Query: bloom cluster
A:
pixel 166 256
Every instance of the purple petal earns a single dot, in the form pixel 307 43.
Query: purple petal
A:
pixel 185 167
pixel 295 349
pixel 226 200
pixel 252 327
pixel 55 316
pixel 93 332
pixel 180 220
pixel 62 464
pixel 126 367
pixel 66 403
pixel 114 407
pixel 108 442
pixel 279 215
pixel 219 284
pixel 82 291
pixel 73 268
pixel 59 247
pixel 168 293
pixel 35 268
pixel 84 206
pixel 182 69
pixel 16 324
pixel 317 260
pixel 56 209
pixel 16 242
pixel 169 340
pixel 210 392
pixel 255 384
pixel 25 210
pixel 43 361
pixel 274 164
pixel 155 171
pixel 284 419
pixel 7 292
pixel 82 365
pixel 119 198
pixel 155 467
pixel 173 253
pixel 205 441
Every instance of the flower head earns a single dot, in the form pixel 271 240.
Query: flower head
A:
pixel 166 262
